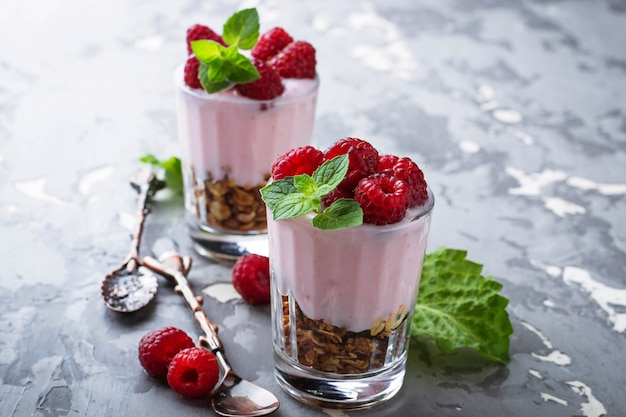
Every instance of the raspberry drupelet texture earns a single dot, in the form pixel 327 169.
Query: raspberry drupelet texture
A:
pixel 198 32
pixel 302 160
pixel 251 278
pixel 362 156
pixel 386 162
pixel 158 347
pixel 335 195
pixel 408 171
pixel 192 66
pixel 271 43
pixel 267 87
pixel 193 372
pixel 296 60
pixel 383 198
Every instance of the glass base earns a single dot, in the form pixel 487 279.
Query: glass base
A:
pixel 225 247
pixel 351 392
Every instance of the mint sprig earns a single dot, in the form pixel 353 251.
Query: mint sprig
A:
pixel 172 171
pixel 458 307
pixel 344 212
pixel 242 29
pixel 296 196
pixel 222 67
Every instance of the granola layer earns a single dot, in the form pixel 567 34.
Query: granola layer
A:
pixel 329 348
pixel 225 205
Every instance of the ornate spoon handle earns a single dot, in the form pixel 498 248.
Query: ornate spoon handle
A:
pixel 210 339
pixel 232 396
pixel 146 184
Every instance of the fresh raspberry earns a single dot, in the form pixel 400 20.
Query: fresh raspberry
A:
pixel 268 87
pixel 386 162
pixel 191 72
pixel 251 278
pixel 363 160
pixel 362 155
pixel 270 43
pixel 296 60
pixel 335 195
pixel 383 198
pixel 351 180
pixel 158 347
pixel 407 170
pixel 193 372
pixel 197 32
pixel 302 160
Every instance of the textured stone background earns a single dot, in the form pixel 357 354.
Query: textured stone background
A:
pixel 515 110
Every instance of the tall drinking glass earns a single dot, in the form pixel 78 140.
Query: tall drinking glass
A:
pixel 229 143
pixel 342 302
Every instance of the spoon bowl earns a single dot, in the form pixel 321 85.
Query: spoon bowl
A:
pixel 129 288
pixel 238 397
pixel 132 286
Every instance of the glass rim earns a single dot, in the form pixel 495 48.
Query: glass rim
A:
pixel 424 210
pixel 203 95
pixel 427 208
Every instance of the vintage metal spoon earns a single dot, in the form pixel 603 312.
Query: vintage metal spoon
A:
pixel 233 395
pixel 131 286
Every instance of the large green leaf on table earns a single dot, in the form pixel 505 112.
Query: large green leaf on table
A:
pixel 458 307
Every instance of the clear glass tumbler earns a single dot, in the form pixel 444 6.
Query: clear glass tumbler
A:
pixel 342 303
pixel 229 143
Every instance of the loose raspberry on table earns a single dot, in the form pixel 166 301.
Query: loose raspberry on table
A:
pixel 198 32
pixel 267 87
pixel 158 347
pixel 363 160
pixel 383 198
pixel 193 372
pixel 270 43
pixel 302 160
pixel 408 171
pixel 251 278
pixel 296 60
pixel 192 66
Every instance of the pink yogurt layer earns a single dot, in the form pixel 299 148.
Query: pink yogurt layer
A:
pixel 354 276
pixel 225 133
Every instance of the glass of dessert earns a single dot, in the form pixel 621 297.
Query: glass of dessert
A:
pixel 242 100
pixel 347 234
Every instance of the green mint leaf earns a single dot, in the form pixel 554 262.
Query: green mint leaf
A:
pixel 207 51
pixel 240 69
pixel 305 184
pixel 331 173
pixel 211 86
pixel 273 192
pixel 295 196
pixel 294 205
pixel 217 71
pixel 221 67
pixel 172 169
pixel 150 159
pixel 344 212
pixel 242 29
pixel 323 190
pixel 458 307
